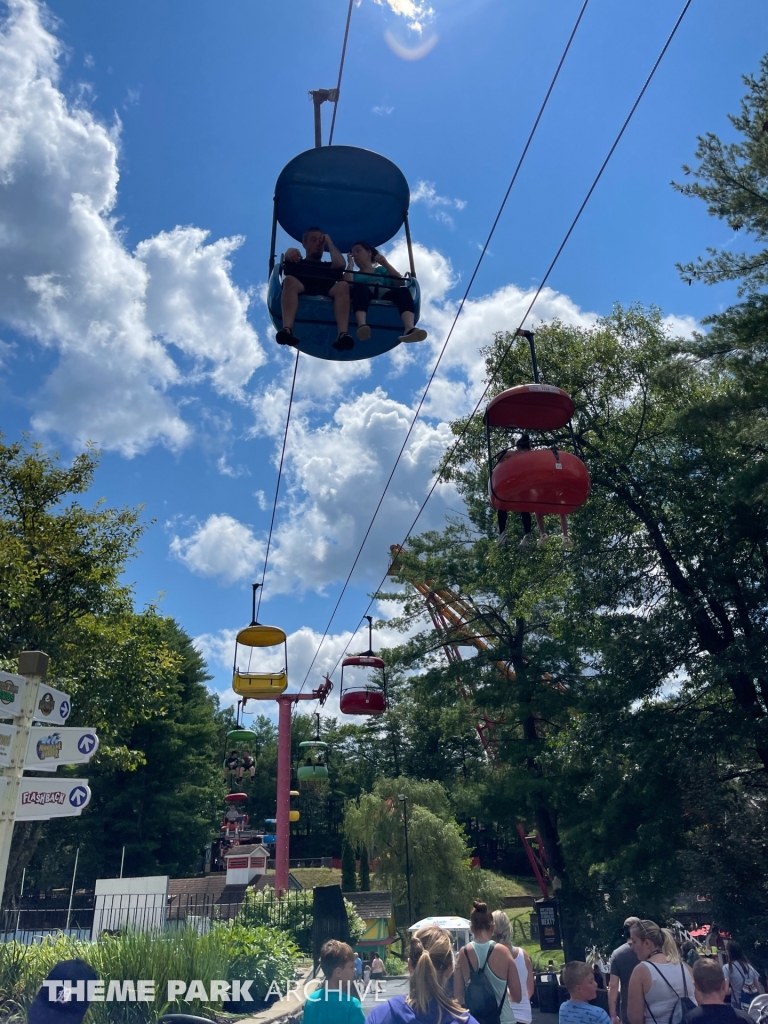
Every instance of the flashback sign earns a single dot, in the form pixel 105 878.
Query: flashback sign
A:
pixel 41 799
pixel 48 748
pixel 52 707
pixel 11 690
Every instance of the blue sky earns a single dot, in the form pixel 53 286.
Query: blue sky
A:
pixel 139 148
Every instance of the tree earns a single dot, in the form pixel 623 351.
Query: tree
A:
pixel 348 868
pixel 732 179
pixel 133 676
pixel 365 870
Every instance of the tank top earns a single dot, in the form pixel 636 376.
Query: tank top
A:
pixel 660 999
pixel 498 984
pixel 522 1010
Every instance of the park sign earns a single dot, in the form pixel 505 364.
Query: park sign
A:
pixel 11 691
pixel 48 748
pixel 52 707
pixel 41 799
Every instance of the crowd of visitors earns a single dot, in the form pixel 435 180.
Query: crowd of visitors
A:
pixel 653 979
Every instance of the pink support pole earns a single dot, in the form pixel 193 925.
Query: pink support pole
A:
pixel 283 792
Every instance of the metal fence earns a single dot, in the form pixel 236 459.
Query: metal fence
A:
pixel 92 916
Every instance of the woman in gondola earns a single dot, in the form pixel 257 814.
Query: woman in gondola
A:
pixel 374 273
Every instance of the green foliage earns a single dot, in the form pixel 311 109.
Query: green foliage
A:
pixel 292 913
pixel 365 869
pixel 731 179
pixel 441 879
pixel 227 951
pixel 348 866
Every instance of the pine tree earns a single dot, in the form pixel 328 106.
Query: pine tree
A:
pixel 365 870
pixel 731 179
pixel 348 876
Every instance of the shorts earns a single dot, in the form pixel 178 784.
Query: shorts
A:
pixel 314 284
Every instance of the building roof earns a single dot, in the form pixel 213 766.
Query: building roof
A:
pixel 371 904
pixel 242 851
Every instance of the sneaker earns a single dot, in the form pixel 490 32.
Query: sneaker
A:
pixel 567 542
pixel 415 334
pixel 502 540
pixel 285 336
pixel 543 540
pixel 363 332
pixel 344 342
pixel 527 540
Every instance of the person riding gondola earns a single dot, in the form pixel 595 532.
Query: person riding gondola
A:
pixel 247 764
pixel 232 764
pixel 312 275
pixel 523 444
pixel 375 278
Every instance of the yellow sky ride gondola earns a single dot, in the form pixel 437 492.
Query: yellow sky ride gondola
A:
pixel 259 685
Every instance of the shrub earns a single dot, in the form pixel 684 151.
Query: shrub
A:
pixel 227 951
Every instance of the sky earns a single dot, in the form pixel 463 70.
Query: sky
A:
pixel 139 147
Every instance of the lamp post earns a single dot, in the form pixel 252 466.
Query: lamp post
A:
pixel 404 801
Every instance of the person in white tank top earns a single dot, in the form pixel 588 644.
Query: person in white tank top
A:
pixel 660 980
pixel 521 1012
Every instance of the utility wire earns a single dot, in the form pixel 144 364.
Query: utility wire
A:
pixel 341 72
pixel 277 485
pixel 507 350
pixel 450 332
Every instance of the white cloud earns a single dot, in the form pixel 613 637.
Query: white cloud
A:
pixel 426 192
pixel 681 326
pixel 67 280
pixel 414 12
pixel 221 547
pixel 382 111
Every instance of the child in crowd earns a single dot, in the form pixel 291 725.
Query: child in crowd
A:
pixel 579 979
pixel 334 1003
pixel 710 989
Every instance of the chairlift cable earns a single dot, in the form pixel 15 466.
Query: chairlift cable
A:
pixel 507 350
pixel 277 485
pixel 453 325
pixel 341 71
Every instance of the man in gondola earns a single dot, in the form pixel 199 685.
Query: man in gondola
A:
pixel 311 275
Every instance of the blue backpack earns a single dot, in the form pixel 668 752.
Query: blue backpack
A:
pixel 480 995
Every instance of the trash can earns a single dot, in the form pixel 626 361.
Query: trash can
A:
pixel 547 995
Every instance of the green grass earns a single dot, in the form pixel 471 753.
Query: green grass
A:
pixel 519 919
pixel 517 885
pixel 310 877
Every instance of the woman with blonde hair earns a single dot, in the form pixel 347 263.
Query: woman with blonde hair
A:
pixel 430 965
pixel 502 933
pixel 661 983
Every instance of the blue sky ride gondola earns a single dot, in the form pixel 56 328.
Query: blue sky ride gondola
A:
pixel 353 195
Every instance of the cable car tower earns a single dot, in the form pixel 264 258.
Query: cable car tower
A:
pixel 271 685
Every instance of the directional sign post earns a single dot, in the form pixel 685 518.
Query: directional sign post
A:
pixel 47 748
pixel 32 667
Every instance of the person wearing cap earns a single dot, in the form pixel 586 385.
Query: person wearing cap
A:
pixel 63 996
pixel 623 962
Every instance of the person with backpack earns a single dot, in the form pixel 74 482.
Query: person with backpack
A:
pixel 430 962
pixel 487 980
pixel 740 975
pixel 661 986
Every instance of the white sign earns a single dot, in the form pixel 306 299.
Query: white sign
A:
pixel 11 689
pixel 52 707
pixel 7 732
pixel 47 748
pixel 40 799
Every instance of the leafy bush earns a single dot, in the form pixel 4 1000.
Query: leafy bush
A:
pixel 264 954
pixel 228 951
pixel 292 913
